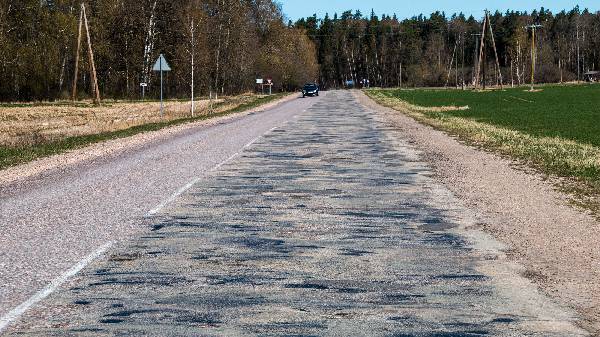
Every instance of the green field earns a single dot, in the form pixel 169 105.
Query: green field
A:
pixel 569 112
pixel 555 130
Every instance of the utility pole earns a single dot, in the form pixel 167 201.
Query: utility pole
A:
pixel 499 74
pixel 96 90
pixel 519 74
pixel 193 51
pixel 583 68
pixel 400 63
pixel 456 73
pixel 481 55
pixel 452 64
pixel 463 61
pixel 74 94
pixel 578 58
pixel 476 58
pixel 533 51
pixel 162 107
pixel 400 74
pixel 484 59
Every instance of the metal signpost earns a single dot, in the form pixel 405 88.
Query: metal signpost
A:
pixel 161 66
pixel 270 84
pixel 261 82
pixel 143 85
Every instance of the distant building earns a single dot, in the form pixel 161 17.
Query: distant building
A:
pixel 592 76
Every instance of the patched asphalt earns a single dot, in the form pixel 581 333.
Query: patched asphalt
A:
pixel 50 222
pixel 330 225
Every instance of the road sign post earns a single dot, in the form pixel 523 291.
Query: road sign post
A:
pixel 261 82
pixel 143 85
pixel 270 84
pixel 161 66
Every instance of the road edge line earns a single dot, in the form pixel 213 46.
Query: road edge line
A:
pixel 22 308
pixel 189 185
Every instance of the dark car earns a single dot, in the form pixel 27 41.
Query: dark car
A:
pixel 310 90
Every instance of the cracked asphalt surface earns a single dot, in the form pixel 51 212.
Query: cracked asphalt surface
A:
pixel 329 225
pixel 49 223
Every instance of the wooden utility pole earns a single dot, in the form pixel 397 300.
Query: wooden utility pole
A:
pixel 400 74
pixel 482 54
pixel 400 66
pixel 452 64
pixel 495 50
pixel 519 63
pixel 96 91
pixel 484 66
pixel 481 49
pixel 578 57
pixel 512 74
pixel 74 93
pixel 193 51
pixel 561 71
pixel 532 57
pixel 463 61
pixel 475 58
pixel 456 72
pixel 533 52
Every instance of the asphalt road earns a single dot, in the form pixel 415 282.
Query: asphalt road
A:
pixel 50 224
pixel 330 224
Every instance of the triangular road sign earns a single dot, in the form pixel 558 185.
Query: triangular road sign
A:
pixel 161 64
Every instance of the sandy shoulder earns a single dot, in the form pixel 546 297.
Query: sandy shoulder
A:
pixel 113 147
pixel 557 243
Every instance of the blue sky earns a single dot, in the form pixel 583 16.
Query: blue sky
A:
pixel 295 9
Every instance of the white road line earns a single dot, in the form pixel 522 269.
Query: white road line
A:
pixel 259 137
pixel 182 190
pixel 251 142
pixel 17 312
pixel 172 197
pixel 186 187
pixel 225 161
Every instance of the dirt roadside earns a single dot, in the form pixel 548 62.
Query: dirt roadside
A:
pixel 46 165
pixel 556 242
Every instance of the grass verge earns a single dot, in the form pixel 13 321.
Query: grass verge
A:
pixel 481 124
pixel 11 156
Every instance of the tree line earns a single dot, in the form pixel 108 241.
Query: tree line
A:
pixel 231 43
pixel 439 50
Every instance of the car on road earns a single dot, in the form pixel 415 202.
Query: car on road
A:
pixel 310 89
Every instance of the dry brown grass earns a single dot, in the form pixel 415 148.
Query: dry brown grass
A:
pixel 27 125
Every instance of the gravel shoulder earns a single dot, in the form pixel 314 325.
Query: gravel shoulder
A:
pixel 44 166
pixel 556 242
